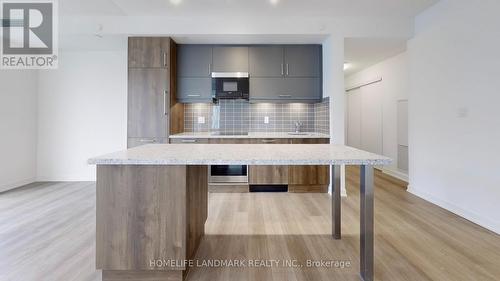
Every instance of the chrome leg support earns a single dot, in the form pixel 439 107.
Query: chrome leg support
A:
pixel 366 227
pixel 335 170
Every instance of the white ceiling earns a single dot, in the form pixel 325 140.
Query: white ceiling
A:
pixel 361 53
pixel 246 8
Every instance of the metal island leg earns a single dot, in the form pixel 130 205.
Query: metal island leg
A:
pixel 366 219
pixel 336 202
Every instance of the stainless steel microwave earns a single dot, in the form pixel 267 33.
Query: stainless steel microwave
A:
pixel 230 85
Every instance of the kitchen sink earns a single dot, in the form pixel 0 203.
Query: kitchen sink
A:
pixel 298 133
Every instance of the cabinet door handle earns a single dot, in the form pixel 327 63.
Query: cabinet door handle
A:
pixel 164 59
pixel 282 70
pixel 285 96
pixel 147 140
pixel 188 141
pixel 191 95
pixel 268 141
pixel 287 69
pixel 165 93
pixel 209 69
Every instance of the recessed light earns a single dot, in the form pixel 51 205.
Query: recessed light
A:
pixel 346 65
pixel 175 2
pixel 274 2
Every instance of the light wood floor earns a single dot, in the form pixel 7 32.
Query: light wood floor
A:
pixel 47 233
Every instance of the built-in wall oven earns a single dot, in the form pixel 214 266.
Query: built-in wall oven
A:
pixel 228 174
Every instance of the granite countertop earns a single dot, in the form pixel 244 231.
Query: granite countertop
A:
pixel 251 135
pixel 241 154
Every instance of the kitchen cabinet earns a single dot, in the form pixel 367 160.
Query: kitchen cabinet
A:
pixel 229 141
pixel 133 142
pixel 194 89
pixel 278 73
pixel 302 60
pixel 148 52
pixel 194 61
pixel 230 59
pixel 309 178
pixel 268 175
pixel 148 103
pixel 296 89
pixel 189 140
pixel 304 178
pixel 266 61
pixel 152 91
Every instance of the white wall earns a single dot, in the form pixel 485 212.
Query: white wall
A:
pixel 372 110
pixel 333 87
pixel 454 129
pixel 82 113
pixel 18 111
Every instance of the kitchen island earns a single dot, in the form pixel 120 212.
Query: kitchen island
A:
pixel 152 201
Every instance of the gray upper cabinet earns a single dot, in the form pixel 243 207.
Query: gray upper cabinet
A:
pixel 194 60
pixel 267 88
pixel 194 89
pixel 278 73
pixel 148 103
pixel 303 61
pixel 230 59
pixel 302 89
pixel 284 90
pixel 266 61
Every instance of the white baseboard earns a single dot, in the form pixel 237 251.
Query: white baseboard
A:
pixel 471 216
pixel 397 174
pixel 16 184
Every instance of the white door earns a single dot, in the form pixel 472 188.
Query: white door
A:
pixel 371 118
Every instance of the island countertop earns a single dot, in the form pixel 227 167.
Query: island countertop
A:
pixel 241 154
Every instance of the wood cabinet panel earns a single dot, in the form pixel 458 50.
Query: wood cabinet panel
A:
pixel 228 140
pixel 309 178
pixel 148 103
pixel 161 209
pixel 148 52
pixel 133 142
pixel 148 205
pixel 268 175
pixel 187 140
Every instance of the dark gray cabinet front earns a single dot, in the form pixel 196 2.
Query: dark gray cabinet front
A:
pixel 285 90
pixel 230 59
pixel 148 103
pixel 267 88
pixel 194 89
pixel 302 61
pixel 302 89
pixel 266 61
pixel 194 61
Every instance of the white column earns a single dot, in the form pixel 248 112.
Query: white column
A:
pixel 333 87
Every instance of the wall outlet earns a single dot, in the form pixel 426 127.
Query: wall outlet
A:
pixel 201 119
pixel 266 120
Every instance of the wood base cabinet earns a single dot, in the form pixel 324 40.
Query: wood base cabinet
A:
pixel 309 178
pixel 147 214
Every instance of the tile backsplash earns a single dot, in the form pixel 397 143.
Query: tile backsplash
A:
pixel 241 116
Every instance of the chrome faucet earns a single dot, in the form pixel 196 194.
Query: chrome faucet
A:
pixel 298 124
